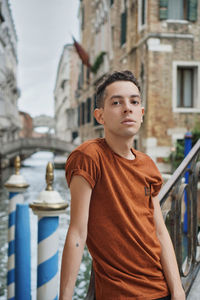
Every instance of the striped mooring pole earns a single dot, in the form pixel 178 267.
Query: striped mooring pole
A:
pixel 16 185
pixel 48 207
pixel 22 253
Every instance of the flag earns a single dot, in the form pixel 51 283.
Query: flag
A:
pixel 82 53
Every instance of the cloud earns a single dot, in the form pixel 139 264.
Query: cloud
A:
pixel 43 28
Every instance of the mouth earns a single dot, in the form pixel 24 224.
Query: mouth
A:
pixel 128 121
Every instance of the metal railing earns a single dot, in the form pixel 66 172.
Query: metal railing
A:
pixel 173 196
pixel 172 199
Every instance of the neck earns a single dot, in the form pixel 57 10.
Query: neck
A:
pixel 121 145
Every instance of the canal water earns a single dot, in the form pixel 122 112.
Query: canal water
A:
pixel 33 170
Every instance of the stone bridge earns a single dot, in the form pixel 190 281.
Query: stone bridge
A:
pixel 44 121
pixel 32 145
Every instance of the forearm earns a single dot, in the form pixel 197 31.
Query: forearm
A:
pixel 71 259
pixel 170 267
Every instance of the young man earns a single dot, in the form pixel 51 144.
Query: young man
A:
pixel 115 208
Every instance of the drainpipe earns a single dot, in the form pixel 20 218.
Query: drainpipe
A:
pixel 16 185
pixel 48 206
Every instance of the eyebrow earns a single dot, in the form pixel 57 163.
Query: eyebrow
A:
pixel 120 96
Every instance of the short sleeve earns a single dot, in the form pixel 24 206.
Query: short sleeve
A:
pixel 156 187
pixel 79 163
pixel 154 177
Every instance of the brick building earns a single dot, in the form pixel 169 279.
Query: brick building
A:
pixel 159 42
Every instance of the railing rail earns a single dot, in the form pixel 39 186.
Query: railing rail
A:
pixel 179 172
pixel 172 198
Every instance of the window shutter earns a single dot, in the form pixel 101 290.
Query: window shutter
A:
pixel 88 110
pixel 82 113
pixel 123 27
pixel 83 17
pixel 163 9
pixel 79 115
pixel 192 10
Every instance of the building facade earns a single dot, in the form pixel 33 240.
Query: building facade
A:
pixel 9 92
pixel 66 114
pixel 159 42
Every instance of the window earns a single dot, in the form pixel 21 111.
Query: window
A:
pixel 82 113
pixel 1 15
pixel 186 86
pixel 82 17
pixel 81 76
pixel 88 110
pixel 178 10
pixel 143 16
pixel 63 82
pixel 142 12
pixel 79 116
pixel 74 135
pixel 123 24
pixel 88 75
pixel 142 83
pixel 111 2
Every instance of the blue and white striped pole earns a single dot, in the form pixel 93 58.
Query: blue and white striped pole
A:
pixel 48 207
pixel 22 253
pixel 47 279
pixel 15 185
pixel 15 198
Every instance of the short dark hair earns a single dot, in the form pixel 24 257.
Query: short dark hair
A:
pixel 110 78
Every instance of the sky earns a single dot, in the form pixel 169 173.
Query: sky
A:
pixel 43 27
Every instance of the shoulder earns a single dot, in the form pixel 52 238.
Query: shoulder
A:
pixel 144 157
pixel 83 162
pixel 146 162
pixel 90 146
pixel 91 149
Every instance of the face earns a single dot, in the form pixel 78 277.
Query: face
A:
pixel 122 112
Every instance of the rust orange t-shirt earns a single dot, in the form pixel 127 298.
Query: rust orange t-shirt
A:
pixel 121 231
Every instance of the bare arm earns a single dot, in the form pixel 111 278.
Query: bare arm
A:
pixel 168 258
pixel 76 236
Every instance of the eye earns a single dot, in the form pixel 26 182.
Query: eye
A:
pixel 116 102
pixel 135 102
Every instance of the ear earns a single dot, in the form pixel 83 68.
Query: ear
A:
pixel 98 114
pixel 142 114
pixel 142 111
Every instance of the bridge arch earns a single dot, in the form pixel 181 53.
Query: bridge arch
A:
pixel 44 121
pixel 46 143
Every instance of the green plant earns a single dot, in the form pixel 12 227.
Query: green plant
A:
pixel 196 133
pixel 98 61
pixel 177 156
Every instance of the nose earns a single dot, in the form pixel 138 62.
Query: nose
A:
pixel 127 107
